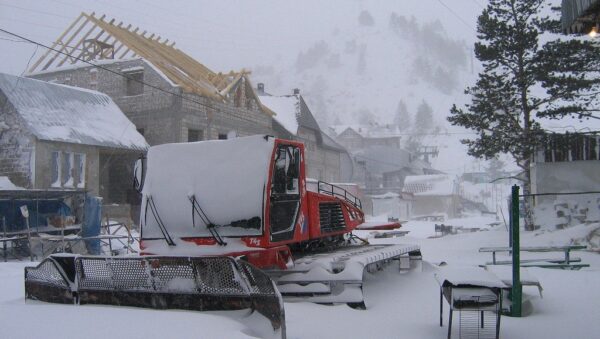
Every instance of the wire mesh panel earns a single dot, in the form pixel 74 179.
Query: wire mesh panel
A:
pixel 128 274
pixel 93 274
pixel 219 276
pixel 478 312
pixel 48 282
pixel 172 274
pixel 46 272
pixel 260 283
pixel 477 324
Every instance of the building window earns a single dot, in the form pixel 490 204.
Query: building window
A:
pixel 93 75
pixel 195 135
pixel 222 136
pixel 56 169
pixel 67 169
pixel 93 79
pixel 134 83
pixel 79 167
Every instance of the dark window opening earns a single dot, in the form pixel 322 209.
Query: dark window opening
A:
pixel 570 147
pixel 134 83
pixel 195 135
pixel 222 136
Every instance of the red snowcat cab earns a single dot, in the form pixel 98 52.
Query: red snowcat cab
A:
pixel 240 197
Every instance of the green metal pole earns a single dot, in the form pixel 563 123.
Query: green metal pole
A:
pixel 517 289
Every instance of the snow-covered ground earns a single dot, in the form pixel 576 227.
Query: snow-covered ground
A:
pixel 400 305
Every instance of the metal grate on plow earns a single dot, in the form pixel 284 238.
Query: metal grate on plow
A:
pixel 189 283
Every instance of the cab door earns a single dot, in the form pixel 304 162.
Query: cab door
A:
pixel 285 192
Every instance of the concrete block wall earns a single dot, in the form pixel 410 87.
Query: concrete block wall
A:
pixel 17 147
pixel 164 117
pixel 322 164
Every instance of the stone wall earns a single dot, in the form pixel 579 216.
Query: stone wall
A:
pixel 17 150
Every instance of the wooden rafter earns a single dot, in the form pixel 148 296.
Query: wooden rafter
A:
pixel 65 44
pixel 78 44
pixel 185 71
pixel 56 43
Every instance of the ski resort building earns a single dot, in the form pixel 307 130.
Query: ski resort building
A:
pixel 169 96
pixel 360 137
pixel 435 196
pixel 569 163
pixel 580 16
pixel 61 137
pixel 380 163
pixel 292 119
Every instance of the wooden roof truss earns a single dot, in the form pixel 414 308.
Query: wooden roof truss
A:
pixel 92 38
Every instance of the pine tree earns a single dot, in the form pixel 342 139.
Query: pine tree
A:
pixel 496 168
pixel 402 117
pixel 424 117
pixel 523 80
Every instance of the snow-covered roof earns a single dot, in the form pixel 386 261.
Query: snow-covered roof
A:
pixel 570 124
pixel 469 276
pixel 330 143
pixel 369 131
pixel 427 185
pixel 388 195
pixel 70 114
pixel 103 62
pixel 286 109
pixel 6 184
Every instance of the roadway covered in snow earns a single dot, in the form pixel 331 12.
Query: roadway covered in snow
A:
pixel 400 305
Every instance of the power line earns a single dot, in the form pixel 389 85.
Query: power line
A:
pixel 456 15
pixel 36 11
pixel 222 44
pixel 29 23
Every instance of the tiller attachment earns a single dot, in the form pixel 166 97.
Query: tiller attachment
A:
pixel 188 283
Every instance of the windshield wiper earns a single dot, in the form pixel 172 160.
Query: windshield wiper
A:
pixel 212 228
pixel 161 226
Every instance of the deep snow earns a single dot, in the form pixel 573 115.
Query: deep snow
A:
pixel 400 305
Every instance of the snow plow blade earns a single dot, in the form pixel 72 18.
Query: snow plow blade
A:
pixel 158 282
pixel 338 276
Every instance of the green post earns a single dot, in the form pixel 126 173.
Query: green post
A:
pixel 517 289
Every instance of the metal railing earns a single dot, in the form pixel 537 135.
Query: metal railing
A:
pixel 339 192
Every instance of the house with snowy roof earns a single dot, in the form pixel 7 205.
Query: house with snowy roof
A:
pixel 61 137
pixel 435 195
pixel 355 137
pixel 567 163
pixel 167 94
pixel 292 119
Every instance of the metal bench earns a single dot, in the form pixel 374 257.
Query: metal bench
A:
pixel 565 263
pixel 529 261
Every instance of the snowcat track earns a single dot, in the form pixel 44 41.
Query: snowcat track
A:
pixel 188 283
pixel 337 277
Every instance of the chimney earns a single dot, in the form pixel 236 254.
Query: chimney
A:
pixel 296 91
pixel 260 87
